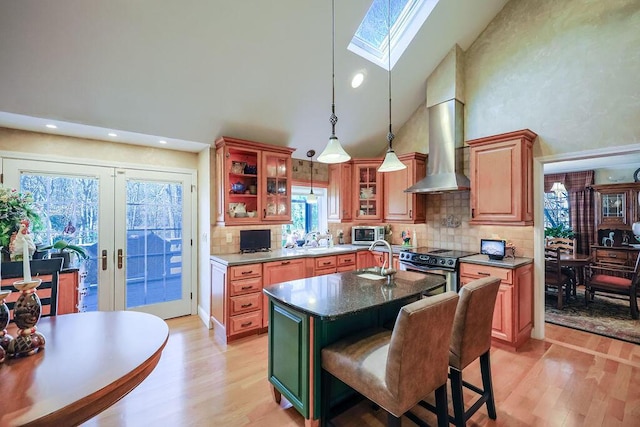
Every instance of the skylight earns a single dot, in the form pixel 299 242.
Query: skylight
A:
pixel 407 16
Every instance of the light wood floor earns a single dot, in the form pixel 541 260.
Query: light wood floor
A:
pixel 570 379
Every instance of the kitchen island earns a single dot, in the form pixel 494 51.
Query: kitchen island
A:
pixel 305 315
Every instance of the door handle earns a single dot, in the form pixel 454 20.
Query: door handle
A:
pixel 120 259
pixel 103 257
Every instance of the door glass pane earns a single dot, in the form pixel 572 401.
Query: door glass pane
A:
pixel 70 212
pixel 154 243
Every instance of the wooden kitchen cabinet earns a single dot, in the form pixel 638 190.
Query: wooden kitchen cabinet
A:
pixel 513 312
pixel 325 265
pixel 380 259
pixel 501 169
pixel 236 299
pixel 368 192
pixel 365 259
pixel 68 283
pixel 277 272
pixel 345 262
pixel 340 193
pixel 253 182
pixel 398 205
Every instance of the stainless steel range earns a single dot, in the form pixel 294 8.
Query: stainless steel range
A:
pixel 433 260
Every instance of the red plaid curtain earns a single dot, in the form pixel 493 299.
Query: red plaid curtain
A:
pixel 581 203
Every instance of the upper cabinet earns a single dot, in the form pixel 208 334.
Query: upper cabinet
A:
pixel 368 190
pixel 501 169
pixel 253 182
pixel 398 205
pixel 616 205
pixel 339 192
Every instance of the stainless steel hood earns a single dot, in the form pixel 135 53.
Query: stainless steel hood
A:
pixel 445 165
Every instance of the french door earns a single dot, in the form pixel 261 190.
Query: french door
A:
pixel 134 224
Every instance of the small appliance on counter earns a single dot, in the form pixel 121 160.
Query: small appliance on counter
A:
pixel 366 234
pixel 255 241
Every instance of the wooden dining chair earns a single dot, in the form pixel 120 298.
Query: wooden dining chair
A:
pixel 554 277
pixel 46 269
pixel 613 279
pixel 397 369
pixel 566 246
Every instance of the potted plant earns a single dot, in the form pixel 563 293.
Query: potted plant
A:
pixel 559 230
pixel 64 251
pixel 14 207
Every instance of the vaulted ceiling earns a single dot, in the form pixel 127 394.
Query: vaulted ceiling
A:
pixel 190 71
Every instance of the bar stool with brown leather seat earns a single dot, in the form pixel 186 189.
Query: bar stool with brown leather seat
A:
pixel 396 369
pixel 470 339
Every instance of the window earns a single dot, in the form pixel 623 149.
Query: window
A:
pixel 306 217
pixel 556 206
pixel 370 39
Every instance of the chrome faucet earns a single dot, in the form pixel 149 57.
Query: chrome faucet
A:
pixel 385 271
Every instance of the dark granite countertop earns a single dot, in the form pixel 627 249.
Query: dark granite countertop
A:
pixel 512 263
pixel 281 254
pixel 340 294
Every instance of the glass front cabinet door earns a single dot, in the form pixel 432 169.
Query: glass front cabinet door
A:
pixel 277 187
pixel 369 190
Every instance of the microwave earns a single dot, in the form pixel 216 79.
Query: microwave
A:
pixel 366 234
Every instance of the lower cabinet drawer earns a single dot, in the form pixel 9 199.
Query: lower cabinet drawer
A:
pixel 244 303
pixel 247 286
pixel 347 260
pixel 245 322
pixel 479 271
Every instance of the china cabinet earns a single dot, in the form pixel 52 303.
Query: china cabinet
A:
pixel 616 205
pixel 253 182
pixel 398 205
pixel 501 174
pixel 368 190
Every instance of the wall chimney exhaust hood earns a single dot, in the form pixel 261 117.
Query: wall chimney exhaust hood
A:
pixel 445 164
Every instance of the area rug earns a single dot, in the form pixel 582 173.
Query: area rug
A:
pixel 605 316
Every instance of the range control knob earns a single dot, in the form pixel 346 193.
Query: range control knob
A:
pixel 450 262
pixel 433 261
pixel 442 262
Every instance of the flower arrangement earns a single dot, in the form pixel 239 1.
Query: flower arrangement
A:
pixel 14 207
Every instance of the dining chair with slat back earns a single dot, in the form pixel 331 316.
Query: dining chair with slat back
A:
pixel 554 277
pixel 568 246
pixel 614 279
pixel 46 269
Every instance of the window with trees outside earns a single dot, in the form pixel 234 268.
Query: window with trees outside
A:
pixel 305 217
pixel 556 207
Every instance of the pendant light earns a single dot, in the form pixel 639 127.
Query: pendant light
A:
pixel 391 162
pixel 333 152
pixel 311 198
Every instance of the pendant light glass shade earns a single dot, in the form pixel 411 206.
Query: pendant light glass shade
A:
pixel 391 162
pixel 311 198
pixel 333 152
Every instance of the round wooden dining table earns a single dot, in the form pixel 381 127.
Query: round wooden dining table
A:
pixel 90 361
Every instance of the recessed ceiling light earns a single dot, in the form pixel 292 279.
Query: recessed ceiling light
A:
pixel 357 80
pixel 51 126
pixel 162 141
pixel 113 134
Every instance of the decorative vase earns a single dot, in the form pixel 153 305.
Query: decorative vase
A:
pixel 5 338
pixel 26 314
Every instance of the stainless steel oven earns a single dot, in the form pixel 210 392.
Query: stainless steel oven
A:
pixel 434 261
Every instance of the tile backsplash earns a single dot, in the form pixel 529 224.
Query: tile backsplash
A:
pixel 447 227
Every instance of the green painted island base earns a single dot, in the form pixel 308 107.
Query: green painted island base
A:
pixel 295 342
pixel 308 314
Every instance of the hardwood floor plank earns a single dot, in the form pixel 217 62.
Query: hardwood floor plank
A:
pixel 571 379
